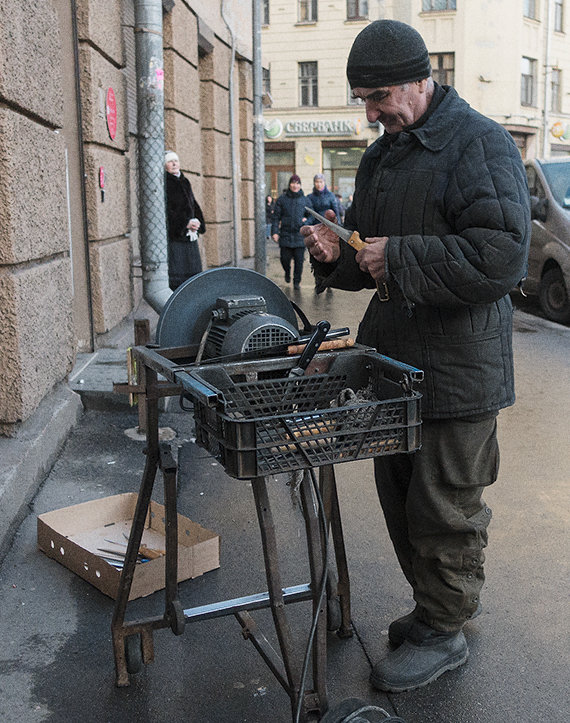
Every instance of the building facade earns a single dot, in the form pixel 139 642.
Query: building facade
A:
pixel 510 60
pixel 70 262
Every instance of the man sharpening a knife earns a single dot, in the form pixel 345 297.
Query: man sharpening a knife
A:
pixel 442 207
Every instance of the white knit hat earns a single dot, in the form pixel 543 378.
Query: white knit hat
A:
pixel 171 156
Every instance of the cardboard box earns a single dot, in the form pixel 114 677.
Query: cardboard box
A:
pixel 73 536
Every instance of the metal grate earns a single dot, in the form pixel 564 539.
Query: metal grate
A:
pixel 282 424
pixel 269 336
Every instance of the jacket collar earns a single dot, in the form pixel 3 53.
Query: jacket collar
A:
pixel 439 128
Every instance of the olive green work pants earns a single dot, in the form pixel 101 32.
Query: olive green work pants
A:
pixel 436 517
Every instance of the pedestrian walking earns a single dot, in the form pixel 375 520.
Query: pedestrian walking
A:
pixel 322 199
pixel 442 202
pixel 288 217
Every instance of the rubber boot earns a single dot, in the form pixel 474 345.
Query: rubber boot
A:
pixel 399 628
pixel 423 656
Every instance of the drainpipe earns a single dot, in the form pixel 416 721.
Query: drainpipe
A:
pixel 547 71
pixel 233 143
pixel 258 147
pixel 150 117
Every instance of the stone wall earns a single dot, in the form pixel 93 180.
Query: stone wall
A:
pixel 36 330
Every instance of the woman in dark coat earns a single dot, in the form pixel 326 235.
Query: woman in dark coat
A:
pixel 288 217
pixel 184 220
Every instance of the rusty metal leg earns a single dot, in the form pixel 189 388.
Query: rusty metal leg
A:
pixel 329 492
pixel 316 700
pixel 143 502
pixel 275 587
pixel 174 613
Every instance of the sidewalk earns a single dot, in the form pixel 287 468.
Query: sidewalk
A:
pixel 56 660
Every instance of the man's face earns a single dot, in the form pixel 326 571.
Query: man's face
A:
pixel 294 186
pixel 173 166
pixel 395 106
pixel 320 184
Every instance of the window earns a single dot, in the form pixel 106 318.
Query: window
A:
pixel 430 6
pixel 529 8
pixel 528 81
pixel 308 11
pixel 266 81
pixel 356 9
pixel 558 16
pixel 265 12
pixel 308 84
pixel 555 88
pixel 443 67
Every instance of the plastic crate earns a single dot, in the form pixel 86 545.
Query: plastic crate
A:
pixel 267 423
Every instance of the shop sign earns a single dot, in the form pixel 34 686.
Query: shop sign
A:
pixel 559 130
pixel 320 128
pixel 274 128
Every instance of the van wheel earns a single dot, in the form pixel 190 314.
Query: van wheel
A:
pixel 553 296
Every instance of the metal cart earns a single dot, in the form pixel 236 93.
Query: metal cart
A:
pixel 260 422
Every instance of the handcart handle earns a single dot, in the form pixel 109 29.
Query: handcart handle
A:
pixel 197 389
pixel 400 372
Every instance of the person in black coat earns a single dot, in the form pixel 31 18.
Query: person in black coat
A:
pixel 185 221
pixel 269 206
pixel 288 217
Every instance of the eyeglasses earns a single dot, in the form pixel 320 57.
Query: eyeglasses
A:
pixel 377 96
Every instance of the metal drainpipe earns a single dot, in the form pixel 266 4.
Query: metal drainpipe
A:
pixel 258 147
pixel 547 75
pixel 233 143
pixel 150 117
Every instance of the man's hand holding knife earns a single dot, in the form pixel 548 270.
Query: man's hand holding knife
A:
pixel 323 243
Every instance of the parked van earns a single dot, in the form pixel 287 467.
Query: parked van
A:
pixel 549 254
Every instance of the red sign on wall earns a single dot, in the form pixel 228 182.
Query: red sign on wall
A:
pixel 111 113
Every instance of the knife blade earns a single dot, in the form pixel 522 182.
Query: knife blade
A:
pixel 353 239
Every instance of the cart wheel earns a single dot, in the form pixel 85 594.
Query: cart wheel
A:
pixel 334 614
pixel 133 653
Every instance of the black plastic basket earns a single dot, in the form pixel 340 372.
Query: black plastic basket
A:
pixel 266 422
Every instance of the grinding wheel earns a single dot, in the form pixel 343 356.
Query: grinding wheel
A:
pixel 187 312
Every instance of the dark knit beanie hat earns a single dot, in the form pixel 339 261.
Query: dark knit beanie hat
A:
pixel 294 179
pixel 387 52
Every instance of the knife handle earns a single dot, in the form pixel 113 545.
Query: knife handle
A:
pixel 317 338
pixel 356 242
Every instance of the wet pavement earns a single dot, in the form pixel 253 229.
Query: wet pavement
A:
pixel 56 660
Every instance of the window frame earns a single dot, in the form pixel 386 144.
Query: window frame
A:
pixel 558 16
pixel 311 7
pixel 437 71
pixel 529 9
pixel 265 12
pixel 309 83
pixel 556 90
pixel 528 83
pixel 447 8
pixel 358 14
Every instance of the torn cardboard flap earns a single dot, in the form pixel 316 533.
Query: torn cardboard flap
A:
pixel 74 535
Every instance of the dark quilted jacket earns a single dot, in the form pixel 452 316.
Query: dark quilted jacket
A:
pixel 321 201
pixel 452 197
pixel 288 217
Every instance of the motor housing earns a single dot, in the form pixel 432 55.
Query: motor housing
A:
pixel 240 323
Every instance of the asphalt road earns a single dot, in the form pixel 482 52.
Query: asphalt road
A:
pixel 56 658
